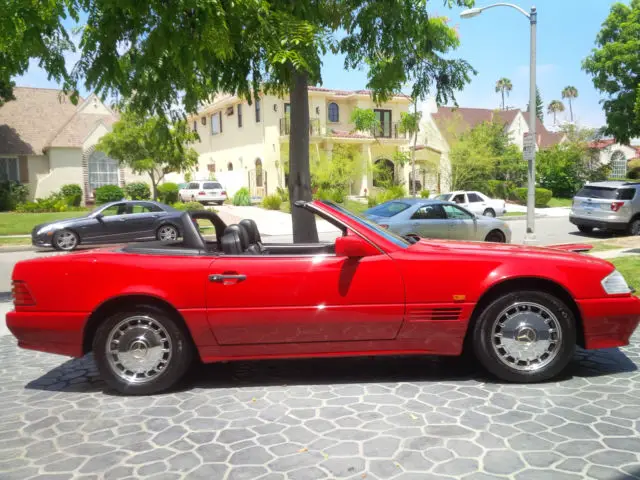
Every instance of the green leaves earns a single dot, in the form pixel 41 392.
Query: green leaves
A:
pixel 364 120
pixel 615 68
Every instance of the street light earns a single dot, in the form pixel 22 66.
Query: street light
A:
pixel 530 150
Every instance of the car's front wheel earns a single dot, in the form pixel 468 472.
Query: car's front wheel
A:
pixel 65 240
pixel 525 336
pixel 142 351
pixel 495 236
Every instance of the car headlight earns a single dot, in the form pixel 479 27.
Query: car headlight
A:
pixel 44 229
pixel 615 284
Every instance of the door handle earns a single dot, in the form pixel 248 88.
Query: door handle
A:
pixel 225 279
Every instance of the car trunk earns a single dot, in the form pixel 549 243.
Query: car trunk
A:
pixel 600 202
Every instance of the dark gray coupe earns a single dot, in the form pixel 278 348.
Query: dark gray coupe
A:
pixel 115 222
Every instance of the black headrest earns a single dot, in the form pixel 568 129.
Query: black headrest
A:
pixel 252 229
pixel 191 237
pixel 231 244
pixel 242 232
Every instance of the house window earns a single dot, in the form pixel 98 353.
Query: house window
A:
pixel 334 112
pixel 9 170
pixel 230 166
pixel 287 109
pixel 258 110
pixel 618 165
pixel 216 123
pixel 384 117
pixel 239 115
pixel 102 170
pixel 195 125
pixel 258 172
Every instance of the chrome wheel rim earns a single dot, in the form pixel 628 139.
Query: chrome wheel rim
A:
pixel 138 349
pixel 66 240
pixel 526 336
pixel 167 233
pixel 489 213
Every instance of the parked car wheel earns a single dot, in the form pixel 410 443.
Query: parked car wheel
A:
pixel 220 203
pixel 489 212
pixel 525 336
pixel 142 351
pixel 634 227
pixel 495 236
pixel 65 240
pixel 585 229
pixel 167 233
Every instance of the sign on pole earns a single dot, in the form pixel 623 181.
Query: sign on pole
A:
pixel 529 147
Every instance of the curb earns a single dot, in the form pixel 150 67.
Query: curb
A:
pixel 18 248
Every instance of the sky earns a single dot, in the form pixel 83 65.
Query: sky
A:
pixel 496 44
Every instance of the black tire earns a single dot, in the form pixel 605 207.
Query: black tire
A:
pixel 180 359
pixel 634 226
pixel 489 212
pixel 220 203
pixel 585 229
pixel 65 240
pixel 167 233
pixel 495 236
pixel 488 354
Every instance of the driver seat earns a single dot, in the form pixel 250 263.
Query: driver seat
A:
pixel 251 227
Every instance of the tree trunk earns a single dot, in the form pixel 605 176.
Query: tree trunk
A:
pixel 413 152
pixel 304 223
pixel 154 185
pixel 571 110
pixel 503 99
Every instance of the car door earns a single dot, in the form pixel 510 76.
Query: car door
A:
pixel 191 191
pixel 141 221
pixel 272 299
pixel 430 221
pixel 462 224
pixel 476 204
pixel 110 225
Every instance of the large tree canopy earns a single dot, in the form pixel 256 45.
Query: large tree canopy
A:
pixel 615 67
pixel 33 30
pixel 158 54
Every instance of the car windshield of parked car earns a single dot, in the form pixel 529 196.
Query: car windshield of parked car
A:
pixel 444 197
pixel 390 236
pixel 388 209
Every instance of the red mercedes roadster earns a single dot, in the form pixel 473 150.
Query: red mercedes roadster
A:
pixel 147 310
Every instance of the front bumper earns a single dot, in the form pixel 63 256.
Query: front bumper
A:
pixel 609 322
pixel 51 332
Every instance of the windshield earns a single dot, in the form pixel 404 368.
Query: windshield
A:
pixel 444 197
pixel 392 237
pixel 388 209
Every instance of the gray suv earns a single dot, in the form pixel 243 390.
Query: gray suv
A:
pixel 608 206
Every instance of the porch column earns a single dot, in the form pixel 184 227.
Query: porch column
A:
pixel 366 164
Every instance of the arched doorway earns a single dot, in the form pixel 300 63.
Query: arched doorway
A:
pixel 102 170
pixel 618 165
pixel 383 173
pixel 230 167
pixel 259 179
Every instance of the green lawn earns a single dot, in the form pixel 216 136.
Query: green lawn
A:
pixel 22 223
pixel 514 214
pixel 603 247
pixel 355 207
pixel 560 202
pixel 6 242
pixel 629 266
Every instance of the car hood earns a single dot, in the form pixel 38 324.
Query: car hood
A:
pixel 504 249
pixel 60 223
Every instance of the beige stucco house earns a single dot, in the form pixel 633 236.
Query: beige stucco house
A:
pixel 247 145
pixel 46 142
pixel 616 155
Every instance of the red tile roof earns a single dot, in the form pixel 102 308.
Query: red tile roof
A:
pixel 346 93
pixel 600 144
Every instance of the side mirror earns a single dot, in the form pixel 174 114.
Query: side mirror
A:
pixel 99 216
pixel 353 246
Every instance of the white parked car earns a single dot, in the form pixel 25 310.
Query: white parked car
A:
pixel 203 191
pixel 476 202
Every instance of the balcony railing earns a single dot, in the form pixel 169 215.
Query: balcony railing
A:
pixel 390 131
pixel 314 126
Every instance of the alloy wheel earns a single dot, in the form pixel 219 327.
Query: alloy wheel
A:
pixel 167 233
pixel 66 240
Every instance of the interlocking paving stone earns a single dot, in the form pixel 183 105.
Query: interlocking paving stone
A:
pixel 363 418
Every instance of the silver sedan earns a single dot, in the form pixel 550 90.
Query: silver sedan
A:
pixel 437 219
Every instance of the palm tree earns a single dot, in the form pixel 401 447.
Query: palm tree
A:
pixel 570 93
pixel 554 107
pixel 503 85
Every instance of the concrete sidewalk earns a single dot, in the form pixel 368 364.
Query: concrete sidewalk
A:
pixel 540 212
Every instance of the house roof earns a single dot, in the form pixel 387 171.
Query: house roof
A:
pixel 40 118
pixel 348 93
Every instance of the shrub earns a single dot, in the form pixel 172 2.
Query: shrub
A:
pixel 53 203
pixel 188 206
pixel 137 191
pixel 391 193
pixel 424 193
pixel 108 193
pixel 542 196
pixel 272 202
pixel 168 193
pixel 331 194
pixel 633 169
pixel 242 198
pixel 283 193
pixel 373 200
pixel 72 193
pixel 12 194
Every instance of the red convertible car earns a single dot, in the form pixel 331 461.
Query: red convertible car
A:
pixel 147 310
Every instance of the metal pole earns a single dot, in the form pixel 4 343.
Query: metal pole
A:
pixel 530 236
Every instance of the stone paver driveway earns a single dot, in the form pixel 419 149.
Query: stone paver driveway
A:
pixel 373 418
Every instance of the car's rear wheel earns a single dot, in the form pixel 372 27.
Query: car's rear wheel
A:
pixel 167 233
pixel 489 212
pixel 525 336
pixel 220 202
pixel 142 351
pixel 585 229
pixel 65 240
pixel 634 227
pixel 495 236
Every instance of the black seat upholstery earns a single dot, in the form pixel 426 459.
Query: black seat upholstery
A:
pixel 255 242
pixel 247 246
pixel 231 243
pixel 191 238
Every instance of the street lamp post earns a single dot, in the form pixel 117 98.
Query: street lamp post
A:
pixel 530 236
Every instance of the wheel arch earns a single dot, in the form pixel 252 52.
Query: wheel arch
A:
pixel 496 230
pixel 526 283
pixel 116 304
